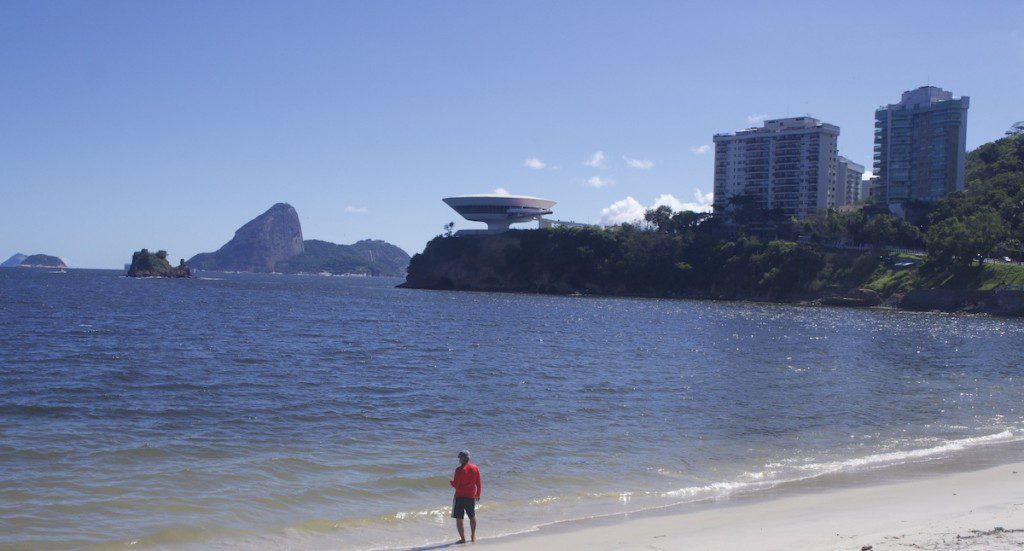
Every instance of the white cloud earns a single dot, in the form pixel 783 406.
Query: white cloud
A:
pixel 596 160
pixel 702 201
pixel 599 182
pixel 705 200
pixel 867 175
pixel 668 200
pixel 700 149
pixel 534 163
pixel 620 212
pixel 356 210
pixel 642 164
pixel 756 118
pixel 630 210
pixel 500 191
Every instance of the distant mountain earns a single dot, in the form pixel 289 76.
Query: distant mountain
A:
pixel 14 261
pixel 370 257
pixel 259 245
pixel 272 242
pixel 42 261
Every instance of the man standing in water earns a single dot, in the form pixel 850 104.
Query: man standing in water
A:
pixel 467 490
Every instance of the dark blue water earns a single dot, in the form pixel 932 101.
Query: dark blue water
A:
pixel 325 412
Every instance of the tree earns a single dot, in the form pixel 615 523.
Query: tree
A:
pixel 1009 248
pixel 685 221
pixel 949 243
pixel 448 229
pixel 660 218
pixel 1016 130
pixel 953 241
pixel 880 231
pixel 986 230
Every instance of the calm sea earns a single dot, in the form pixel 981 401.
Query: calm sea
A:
pixel 266 411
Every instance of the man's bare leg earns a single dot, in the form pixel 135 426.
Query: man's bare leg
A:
pixel 462 529
pixel 472 528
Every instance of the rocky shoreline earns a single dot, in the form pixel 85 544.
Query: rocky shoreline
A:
pixel 1000 302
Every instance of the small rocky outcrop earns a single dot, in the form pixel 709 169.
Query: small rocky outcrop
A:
pixel 259 245
pixel 42 261
pixel 856 298
pixel 943 300
pixel 1005 301
pixel 147 264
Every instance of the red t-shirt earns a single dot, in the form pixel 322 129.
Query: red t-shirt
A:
pixel 467 481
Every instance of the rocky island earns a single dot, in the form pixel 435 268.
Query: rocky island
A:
pixel 147 264
pixel 272 242
pixel 19 260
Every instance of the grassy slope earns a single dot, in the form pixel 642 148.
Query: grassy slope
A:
pixel 887 280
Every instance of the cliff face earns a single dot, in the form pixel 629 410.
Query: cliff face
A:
pixel 478 264
pixel 259 245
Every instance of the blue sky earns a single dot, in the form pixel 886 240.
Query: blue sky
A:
pixel 168 125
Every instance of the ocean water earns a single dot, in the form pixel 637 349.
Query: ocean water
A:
pixel 269 411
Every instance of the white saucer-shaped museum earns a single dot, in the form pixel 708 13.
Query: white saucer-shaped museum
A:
pixel 499 211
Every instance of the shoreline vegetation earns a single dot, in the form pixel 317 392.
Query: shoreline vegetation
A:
pixel 960 254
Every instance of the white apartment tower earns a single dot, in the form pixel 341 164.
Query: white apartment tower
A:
pixel 848 182
pixel 920 145
pixel 788 164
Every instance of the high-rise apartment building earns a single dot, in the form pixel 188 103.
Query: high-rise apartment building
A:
pixel 848 181
pixel 920 144
pixel 788 164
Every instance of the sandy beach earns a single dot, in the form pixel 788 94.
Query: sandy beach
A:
pixel 974 510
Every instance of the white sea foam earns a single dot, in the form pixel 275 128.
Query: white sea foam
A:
pixel 898 457
pixel 750 481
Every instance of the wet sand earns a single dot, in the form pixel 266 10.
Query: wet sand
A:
pixel 973 510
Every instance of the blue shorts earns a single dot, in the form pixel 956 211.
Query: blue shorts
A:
pixel 463 507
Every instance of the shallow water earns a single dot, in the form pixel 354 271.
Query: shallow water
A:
pixel 314 412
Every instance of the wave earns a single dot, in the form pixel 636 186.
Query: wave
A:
pixel 769 477
pixel 895 458
pixel 747 482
